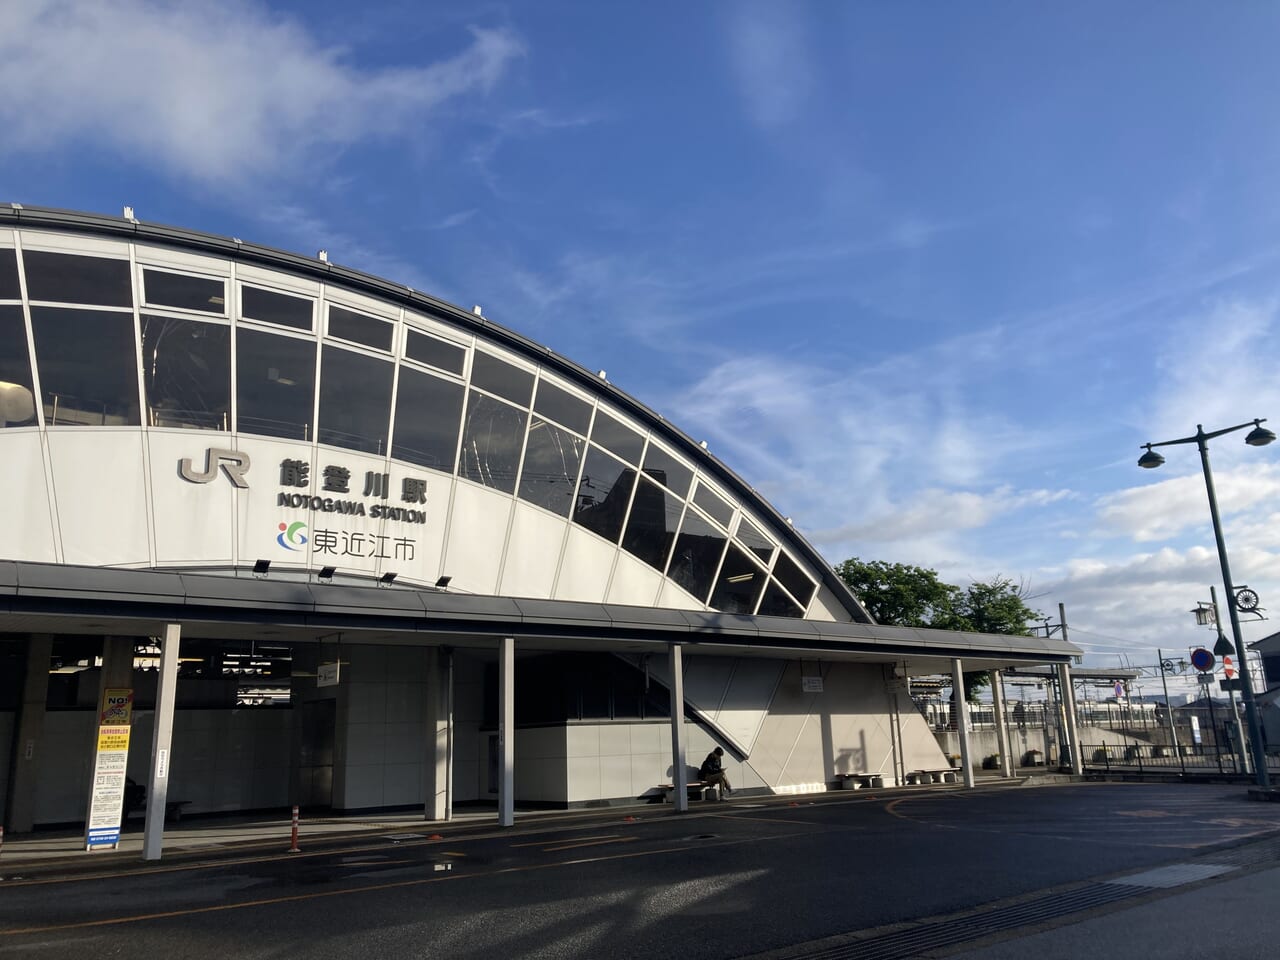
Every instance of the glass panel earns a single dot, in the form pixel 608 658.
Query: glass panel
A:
pixel 358 328
pixel 428 417
pixel 562 407
pixel 713 504
pixel 491 439
pixel 603 494
pixel 651 528
pixel 186 293
pixel 448 357
pixel 88 367
pixel 9 289
pixel 777 604
pixel 355 400
pixel 186 372
pixel 617 438
pixel 755 541
pixel 275 384
pixel 511 383
pixel 697 555
pixel 667 470
pixel 17 402
pixel 67 278
pixel 794 579
pixel 271 307
pixel 551 460
pixel 739 584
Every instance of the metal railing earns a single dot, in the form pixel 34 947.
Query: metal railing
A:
pixel 1142 758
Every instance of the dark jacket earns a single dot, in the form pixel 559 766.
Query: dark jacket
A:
pixel 710 765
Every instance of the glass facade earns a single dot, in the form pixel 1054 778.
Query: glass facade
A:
pixel 492 435
pixel 17 400
pixel 551 460
pixel 186 373
pixel 88 366
pixel 179 358
pixel 183 292
pixel 9 289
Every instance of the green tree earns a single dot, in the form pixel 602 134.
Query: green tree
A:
pixel 900 594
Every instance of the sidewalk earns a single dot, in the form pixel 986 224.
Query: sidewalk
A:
pixel 222 837
pixel 269 835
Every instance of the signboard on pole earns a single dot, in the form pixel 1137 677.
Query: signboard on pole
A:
pixel 106 802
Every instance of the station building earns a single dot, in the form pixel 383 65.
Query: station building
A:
pixel 351 547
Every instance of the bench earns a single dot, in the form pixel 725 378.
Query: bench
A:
pixel 918 777
pixel 857 781
pixel 694 789
pixel 173 810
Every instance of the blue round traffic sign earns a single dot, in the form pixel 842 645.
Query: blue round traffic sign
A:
pixel 1202 659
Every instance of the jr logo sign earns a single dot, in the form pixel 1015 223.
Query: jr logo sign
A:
pixel 235 463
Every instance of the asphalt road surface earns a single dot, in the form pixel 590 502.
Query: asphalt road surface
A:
pixel 834 876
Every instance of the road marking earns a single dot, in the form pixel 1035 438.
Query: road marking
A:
pixel 590 843
pixel 538 843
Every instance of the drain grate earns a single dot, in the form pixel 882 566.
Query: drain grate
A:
pixel 1174 875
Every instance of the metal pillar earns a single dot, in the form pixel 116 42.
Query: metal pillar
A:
pixel 506 730
pixel 1256 747
pixel 28 735
pixel 679 777
pixel 1068 698
pixel 962 721
pixel 1002 723
pixel 161 743
pixel 1242 740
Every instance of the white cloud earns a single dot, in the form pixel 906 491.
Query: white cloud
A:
pixel 1159 511
pixel 214 92
pixel 770 56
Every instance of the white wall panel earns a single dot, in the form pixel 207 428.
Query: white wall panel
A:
pixel 673 597
pixel 533 553
pixel 99 481
pixel 825 606
pixel 477 536
pixel 181 260
pixel 634 582
pixel 584 570
pixel 27 532
pixel 194 522
pixel 746 701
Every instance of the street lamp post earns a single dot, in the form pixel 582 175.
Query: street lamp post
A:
pixel 1259 436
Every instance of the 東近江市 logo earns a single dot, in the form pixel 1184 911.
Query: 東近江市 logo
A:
pixel 291 536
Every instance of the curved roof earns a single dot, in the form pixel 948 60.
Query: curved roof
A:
pixel 44 219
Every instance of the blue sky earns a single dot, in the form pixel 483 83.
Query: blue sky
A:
pixel 925 274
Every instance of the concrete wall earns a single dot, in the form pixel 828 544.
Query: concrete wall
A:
pixel 381 740
pixel 221 760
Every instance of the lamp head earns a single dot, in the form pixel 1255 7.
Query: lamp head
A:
pixel 1150 459
pixel 1259 436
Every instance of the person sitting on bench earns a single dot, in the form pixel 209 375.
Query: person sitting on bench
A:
pixel 712 771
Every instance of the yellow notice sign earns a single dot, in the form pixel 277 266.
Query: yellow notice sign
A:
pixel 117 708
pixel 113 739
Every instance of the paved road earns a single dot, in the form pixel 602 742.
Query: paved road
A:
pixel 739 879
